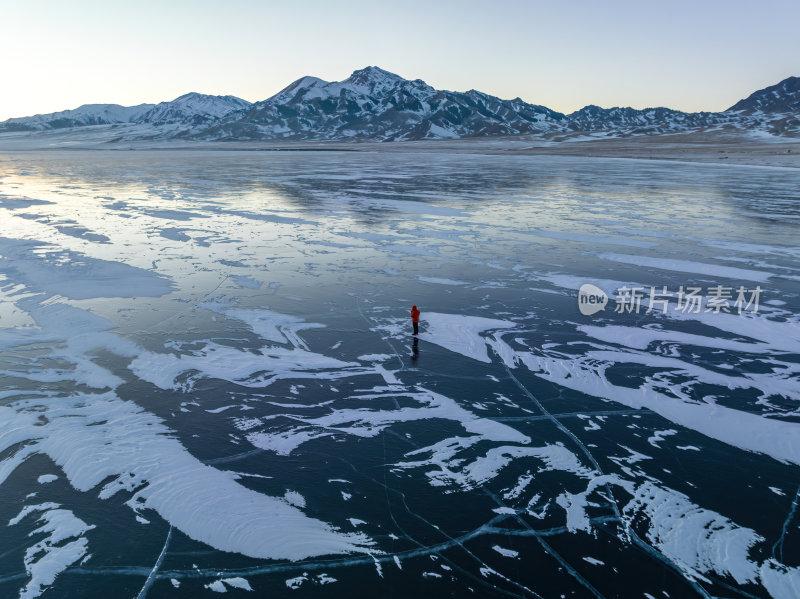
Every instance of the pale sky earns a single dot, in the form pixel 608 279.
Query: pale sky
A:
pixel 690 55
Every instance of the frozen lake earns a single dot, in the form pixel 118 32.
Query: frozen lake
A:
pixel 209 383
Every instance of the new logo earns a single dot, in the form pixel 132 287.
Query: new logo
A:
pixel 591 299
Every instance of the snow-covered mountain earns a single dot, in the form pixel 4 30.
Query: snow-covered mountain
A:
pixel 650 121
pixel 784 97
pixel 189 110
pixel 192 109
pixel 777 107
pixel 88 114
pixel 374 104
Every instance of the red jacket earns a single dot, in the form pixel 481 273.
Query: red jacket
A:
pixel 415 314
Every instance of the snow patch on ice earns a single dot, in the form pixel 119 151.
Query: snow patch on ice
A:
pixel 505 552
pixel 460 333
pixel 237 582
pixel 63 546
pixel 238 366
pixel 696 539
pixel 440 281
pixel 737 428
pixel 94 438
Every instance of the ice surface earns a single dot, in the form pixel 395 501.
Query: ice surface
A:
pixel 596 239
pixel 371 421
pixel 219 344
pixel 735 427
pixel 687 266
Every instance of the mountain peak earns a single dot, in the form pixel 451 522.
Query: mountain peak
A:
pixel 375 80
pixel 189 96
pixel 198 97
pixel 291 90
pixel 372 74
pixel 192 107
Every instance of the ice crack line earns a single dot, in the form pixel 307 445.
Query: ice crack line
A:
pixel 154 572
pixel 777 548
pixel 450 542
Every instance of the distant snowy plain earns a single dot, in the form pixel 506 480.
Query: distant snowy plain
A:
pixel 209 384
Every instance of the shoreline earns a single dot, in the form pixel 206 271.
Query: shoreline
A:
pixel 723 148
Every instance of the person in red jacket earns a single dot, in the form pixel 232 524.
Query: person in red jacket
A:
pixel 415 319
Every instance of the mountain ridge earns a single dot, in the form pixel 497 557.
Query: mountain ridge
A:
pixel 375 104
